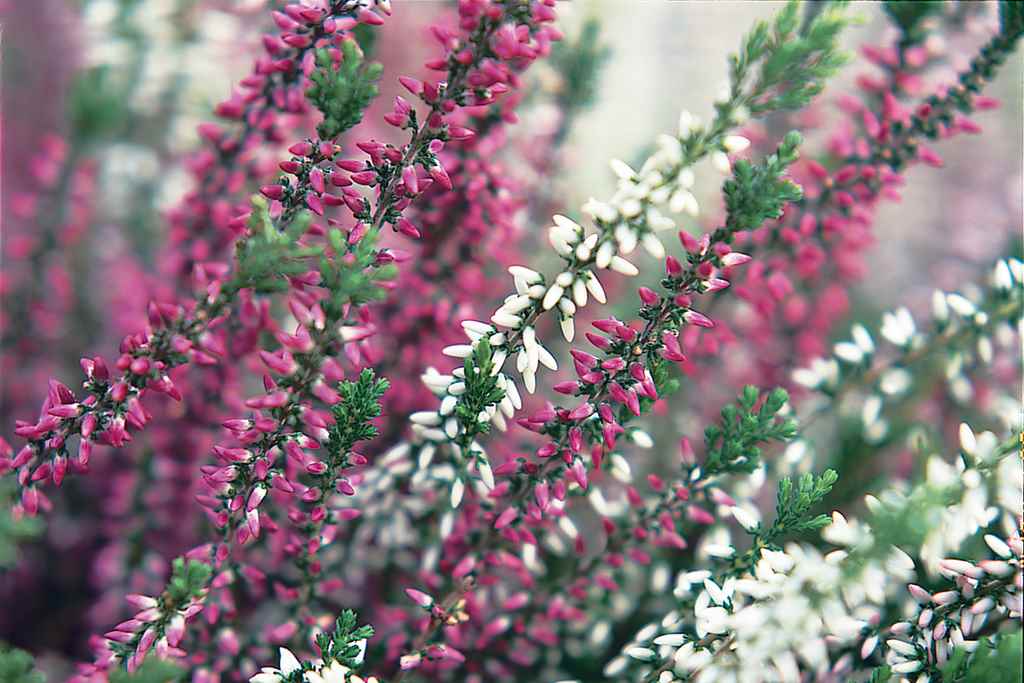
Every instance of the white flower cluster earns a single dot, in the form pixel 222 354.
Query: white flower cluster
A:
pixel 800 612
pixel 320 673
pixel 952 619
pixel 970 327
pixel 433 428
pixel 630 218
pixel 772 625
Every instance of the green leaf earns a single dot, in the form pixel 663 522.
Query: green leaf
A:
pixel 910 16
pixel 481 390
pixel 996 659
pixel 153 670
pixel 13 531
pixel 17 666
pixel 579 62
pixel 353 415
pixel 1011 19
pixel 268 255
pixel 756 193
pixel 782 65
pixel 343 644
pixel 188 579
pixel 733 445
pixel 342 91
pixel 794 503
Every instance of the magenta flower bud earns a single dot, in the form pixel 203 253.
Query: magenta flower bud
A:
pixel 673 267
pixel 584 357
pixel 461 133
pixel 66 410
pixel 316 180
pixel 541 495
pixel 365 177
pixel 60 468
pixel 699 515
pixel 119 391
pixel 735 258
pixel 365 16
pixel 576 439
pixel 256 497
pixel 146 641
pixel 280 483
pixel 581 411
pixel 237 425
pixel 648 296
pixel 84 452
pixel 507 516
pixel 411 84
pixel 314 204
pixel 464 567
pixel 407 228
pixel 346 488
pixel 440 176
pixel 579 474
pixel 689 242
pixel 613 364
pixel 294 451
pixel 275 192
pixel 697 318
pixel 568 387
pixel 597 340
pixel 419 597
pixel 715 284
pixel 252 522
pixel 547 450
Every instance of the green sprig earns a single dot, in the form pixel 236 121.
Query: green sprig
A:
pixel 794 504
pixel 17 666
pixel 732 445
pixel 353 414
pixel 342 91
pixel 482 390
pixel 994 659
pixel 791 65
pixel 343 644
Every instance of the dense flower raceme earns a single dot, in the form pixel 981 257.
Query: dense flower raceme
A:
pixel 798 290
pixel 838 614
pixel 462 227
pixel 511 538
pixel 963 335
pixel 623 378
pixel 241 478
pixel 471 396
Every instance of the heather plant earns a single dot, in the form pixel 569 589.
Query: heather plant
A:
pixel 743 471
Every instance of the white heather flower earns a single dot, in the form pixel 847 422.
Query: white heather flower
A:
pixel 895 381
pixel 863 340
pixel 961 305
pixel 458 488
pixel 605 252
pixel 940 308
pixel 621 265
pixel 622 169
pixel 735 143
pixel 898 327
pixel 849 352
pixel 720 160
pixel 745 518
pixel 594 287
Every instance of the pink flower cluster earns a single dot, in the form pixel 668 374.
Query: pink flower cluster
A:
pixel 312 259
